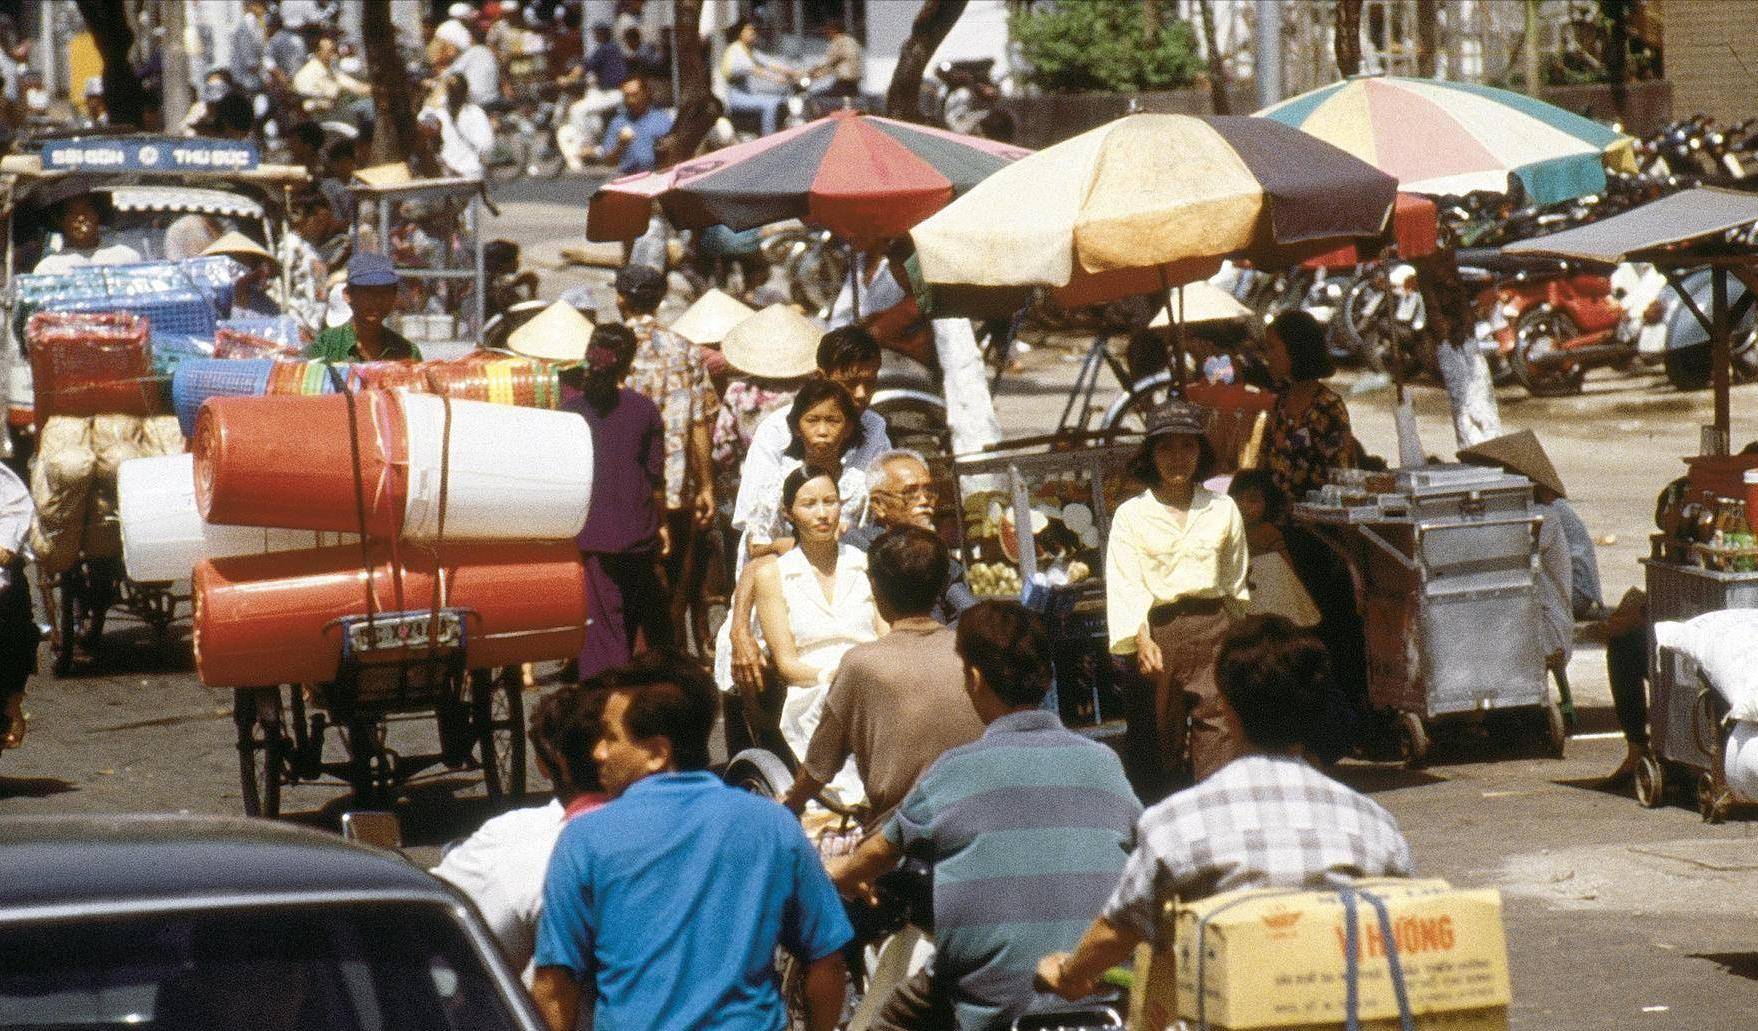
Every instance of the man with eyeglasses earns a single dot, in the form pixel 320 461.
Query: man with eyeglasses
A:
pixel 902 494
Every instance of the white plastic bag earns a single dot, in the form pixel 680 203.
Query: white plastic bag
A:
pixel 1741 762
pixel 1723 645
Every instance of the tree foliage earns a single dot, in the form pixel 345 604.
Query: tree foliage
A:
pixel 1104 45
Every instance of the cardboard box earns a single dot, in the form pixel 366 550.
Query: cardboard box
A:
pixel 1275 959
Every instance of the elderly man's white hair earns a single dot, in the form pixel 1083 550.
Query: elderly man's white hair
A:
pixel 876 469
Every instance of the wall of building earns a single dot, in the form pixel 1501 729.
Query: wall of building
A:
pixel 1711 57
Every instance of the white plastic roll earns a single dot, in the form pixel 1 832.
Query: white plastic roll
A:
pixel 514 473
pixel 163 536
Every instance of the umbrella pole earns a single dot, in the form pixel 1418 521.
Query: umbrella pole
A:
pixel 1722 358
pixel 854 280
pixel 1177 362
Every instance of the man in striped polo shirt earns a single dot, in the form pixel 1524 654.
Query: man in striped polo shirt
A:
pixel 1027 828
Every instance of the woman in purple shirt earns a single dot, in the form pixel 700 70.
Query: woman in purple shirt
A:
pixel 623 539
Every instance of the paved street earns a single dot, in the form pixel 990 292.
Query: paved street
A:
pixel 1618 917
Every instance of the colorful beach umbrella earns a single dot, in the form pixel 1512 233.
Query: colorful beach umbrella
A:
pixel 861 176
pixel 1445 138
pixel 1143 202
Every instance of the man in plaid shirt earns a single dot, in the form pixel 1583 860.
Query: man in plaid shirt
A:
pixel 1265 820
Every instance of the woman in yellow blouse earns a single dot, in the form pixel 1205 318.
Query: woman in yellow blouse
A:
pixel 1175 568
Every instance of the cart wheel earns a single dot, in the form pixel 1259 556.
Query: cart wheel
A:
pixel 1413 741
pixel 1711 801
pixel 262 748
pixel 759 771
pixel 1650 783
pixel 1556 732
pixel 497 703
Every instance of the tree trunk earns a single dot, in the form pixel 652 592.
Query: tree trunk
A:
pixel 1617 52
pixel 903 99
pixel 698 108
pixel 175 79
pixel 1531 55
pixel 1218 99
pixel 123 96
pixel 1428 32
pixel 395 136
pixel 1348 37
pixel 1150 22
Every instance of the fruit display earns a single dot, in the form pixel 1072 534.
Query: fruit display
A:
pixel 1069 540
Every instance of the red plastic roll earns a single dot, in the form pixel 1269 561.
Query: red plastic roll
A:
pixel 287 462
pixel 270 619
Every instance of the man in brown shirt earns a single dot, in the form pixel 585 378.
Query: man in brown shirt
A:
pixel 897 703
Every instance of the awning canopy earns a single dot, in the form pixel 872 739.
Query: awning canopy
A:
pixel 183 198
pixel 1661 232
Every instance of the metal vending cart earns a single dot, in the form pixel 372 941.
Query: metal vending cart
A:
pixel 1701 229
pixel 432 230
pixel 1445 558
pixel 1685 733
pixel 1062 491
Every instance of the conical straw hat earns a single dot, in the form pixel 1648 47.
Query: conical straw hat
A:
pixel 558 333
pixel 711 318
pixel 1518 453
pixel 1204 302
pixel 235 243
pixel 776 343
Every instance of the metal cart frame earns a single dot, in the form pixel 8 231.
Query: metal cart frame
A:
pixel 469 224
pixel 1449 638
pixel 1686 738
pixel 388 675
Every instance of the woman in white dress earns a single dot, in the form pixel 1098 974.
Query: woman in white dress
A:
pixel 826 427
pixel 814 603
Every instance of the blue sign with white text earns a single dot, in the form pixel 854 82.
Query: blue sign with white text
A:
pixel 149 154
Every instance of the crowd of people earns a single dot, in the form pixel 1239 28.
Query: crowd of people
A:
pixel 649 891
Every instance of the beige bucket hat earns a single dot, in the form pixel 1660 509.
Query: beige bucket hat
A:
pixel 1204 302
pixel 711 318
pixel 558 333
pixel 236 245
pixel 776 343
pixel 1518 453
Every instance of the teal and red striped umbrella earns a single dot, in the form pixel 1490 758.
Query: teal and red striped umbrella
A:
pixel 861 176
pixel 1455 137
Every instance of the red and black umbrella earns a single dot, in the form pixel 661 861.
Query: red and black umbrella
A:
pixel 861 176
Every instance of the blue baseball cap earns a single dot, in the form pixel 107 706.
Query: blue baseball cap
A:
pixel 371 270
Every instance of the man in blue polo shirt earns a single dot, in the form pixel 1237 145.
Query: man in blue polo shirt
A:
pixel 673 898
pixel 1025 826
pixel 630 139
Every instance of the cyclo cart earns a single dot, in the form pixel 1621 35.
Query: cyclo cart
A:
pixel 147 182
pixel 1686 574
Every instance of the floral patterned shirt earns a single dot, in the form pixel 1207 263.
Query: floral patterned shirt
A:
pixel 670 373
pixel 1302 449
pixel 743 407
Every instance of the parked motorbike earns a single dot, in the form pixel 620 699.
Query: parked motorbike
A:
pixel 967 100
pixel 525 136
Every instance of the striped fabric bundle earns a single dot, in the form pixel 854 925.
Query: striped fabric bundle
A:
pixel 494 378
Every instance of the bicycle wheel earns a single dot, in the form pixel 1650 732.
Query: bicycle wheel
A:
pixel 497 704
pixel 262 748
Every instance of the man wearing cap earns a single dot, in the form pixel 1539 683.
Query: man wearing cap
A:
pixel 372 294
pixel 670 373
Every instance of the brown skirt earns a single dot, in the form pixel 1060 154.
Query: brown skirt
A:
pixel 1189 636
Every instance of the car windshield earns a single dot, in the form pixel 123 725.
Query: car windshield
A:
pixel 383 967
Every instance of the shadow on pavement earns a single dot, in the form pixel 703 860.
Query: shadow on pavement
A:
pixel 1371 778
pixel 1739 964
pixel 34 787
